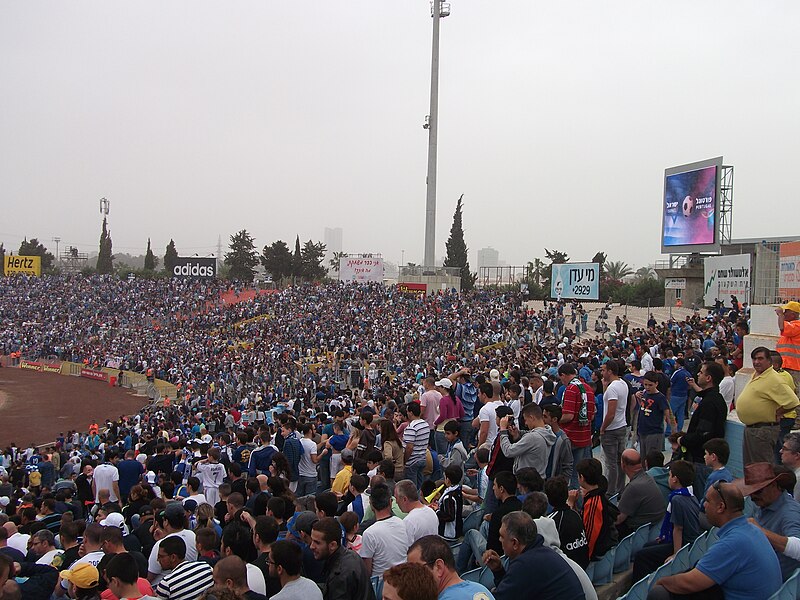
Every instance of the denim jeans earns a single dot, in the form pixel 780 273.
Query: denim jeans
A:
pixel 440 443
pixel 306 486
pixel 414 473
pixel 466 433
pixel 473 547
pixel 578 454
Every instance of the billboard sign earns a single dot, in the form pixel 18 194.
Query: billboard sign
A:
pixel 726 276
pixel 195 267
pixel 23 265
pixel 361 269
pixel 690 209
pixel 578 281
pixel 789 274
pixel 419 289
pixel 675 283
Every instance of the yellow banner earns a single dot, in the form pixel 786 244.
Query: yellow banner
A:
pixel 491 347
pixel 27 265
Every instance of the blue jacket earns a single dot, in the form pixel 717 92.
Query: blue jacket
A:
pixel 539 572
pixel 260 460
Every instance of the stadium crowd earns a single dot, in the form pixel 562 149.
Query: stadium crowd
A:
pixel 337 441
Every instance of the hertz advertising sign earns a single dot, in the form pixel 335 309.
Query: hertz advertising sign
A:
pixel 26 265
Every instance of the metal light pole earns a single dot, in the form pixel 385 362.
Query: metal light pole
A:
pixel 439 10
pixel 57 240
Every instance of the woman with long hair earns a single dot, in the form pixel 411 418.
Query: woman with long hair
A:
pixel 392 448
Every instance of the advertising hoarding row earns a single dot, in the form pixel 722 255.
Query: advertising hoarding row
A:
pixel 726 276
pixel 690 214
pixel 361 269
pixel 575 281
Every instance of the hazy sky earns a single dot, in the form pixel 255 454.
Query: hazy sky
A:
pixel 557 120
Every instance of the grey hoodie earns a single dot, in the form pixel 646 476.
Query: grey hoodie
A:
pixel 531 450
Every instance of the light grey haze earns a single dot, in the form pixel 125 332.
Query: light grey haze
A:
pixel 557 120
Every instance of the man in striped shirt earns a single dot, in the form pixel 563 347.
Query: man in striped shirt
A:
pixel 186 580
pixel 415 437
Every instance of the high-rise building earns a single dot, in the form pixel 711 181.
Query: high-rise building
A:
pixel 488 257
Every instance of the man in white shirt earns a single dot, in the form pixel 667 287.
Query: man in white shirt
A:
pixel 92 553
pixel 106 477
pixel 614 430
pixel 420 520
pixel 385 543
pixel 170 522
pixel 307 467
pixel 486 421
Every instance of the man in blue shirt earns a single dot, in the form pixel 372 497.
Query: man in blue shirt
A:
pixel 679 386
pixel 777 511
pixel 739 566
pixel 434 552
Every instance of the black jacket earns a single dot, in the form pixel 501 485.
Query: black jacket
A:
pixel 346 577
pixel 708 422
pixel 41 581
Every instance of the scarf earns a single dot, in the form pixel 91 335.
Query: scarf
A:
pixel 666 525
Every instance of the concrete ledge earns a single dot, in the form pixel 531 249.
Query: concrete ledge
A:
pixel 619 586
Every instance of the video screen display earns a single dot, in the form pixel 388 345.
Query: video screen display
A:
pixel 691 206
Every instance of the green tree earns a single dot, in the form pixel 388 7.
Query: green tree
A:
pixel 243 258
pixel 311 255
pixel 36 248
pixel 277 260
pixel 333 263
pixel 105 259
pixel 600 258
pixel 457 250
pixel 556 257
pixel 618 270
pixel 297 260
pixel 643 273
pixel 150 260
pixel 170 257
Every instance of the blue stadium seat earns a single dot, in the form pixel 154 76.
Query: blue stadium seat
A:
pixel 622 556
pixel 789 588
pixel 655 531
pixel 698 548
pixel 639 590
pixel 473 575
pixel 681 561
pixel 640 538
pixel 486 578
pixel 603 568
pixel 662 571
pixel 377 585
pixel 614 499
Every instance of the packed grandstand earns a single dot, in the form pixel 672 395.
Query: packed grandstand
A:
pixel 343 440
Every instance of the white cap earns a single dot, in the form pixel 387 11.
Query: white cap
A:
pixel 4 501
pixel 445 383
pixel 494 375
pixel 115 520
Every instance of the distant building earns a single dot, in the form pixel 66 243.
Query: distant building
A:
pixel 488 257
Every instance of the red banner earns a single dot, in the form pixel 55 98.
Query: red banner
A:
pixel 51 367
pixel 33 366
pixel 413 288
pixel 96 375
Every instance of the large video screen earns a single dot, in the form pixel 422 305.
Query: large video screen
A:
pixel 691 208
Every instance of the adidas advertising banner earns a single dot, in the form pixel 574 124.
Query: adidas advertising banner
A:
pixel 195 267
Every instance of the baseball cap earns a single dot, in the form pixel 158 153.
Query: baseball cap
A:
pixel 347 453
pixel 302 523
pixel 174 510
pixel 114 520
pixel 4 501
pixel 792 306
pixel 83 575
pixel 445 383
pixel 494 375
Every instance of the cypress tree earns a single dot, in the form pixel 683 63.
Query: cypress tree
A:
pixel 457 251
pixel 105 260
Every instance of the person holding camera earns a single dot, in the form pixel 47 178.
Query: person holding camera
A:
pixel 530 448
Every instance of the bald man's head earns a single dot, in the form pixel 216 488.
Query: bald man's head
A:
pixel 262 481
pixel 631 459
pixel 11 528
pixel 231 572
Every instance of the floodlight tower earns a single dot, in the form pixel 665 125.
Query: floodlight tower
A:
pixel 439 10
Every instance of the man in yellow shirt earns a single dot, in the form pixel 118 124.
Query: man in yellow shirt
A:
pixel 342 481
pixel 760 406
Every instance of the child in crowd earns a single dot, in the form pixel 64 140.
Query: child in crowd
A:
pixel 451 505
pixel 560 461
pixel 681 523
pixel 350 522
pixel 358 485
pixel 478 495
pixel 455 454
pixel 716 453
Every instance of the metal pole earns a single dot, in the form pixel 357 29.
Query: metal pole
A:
pixel 430 202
